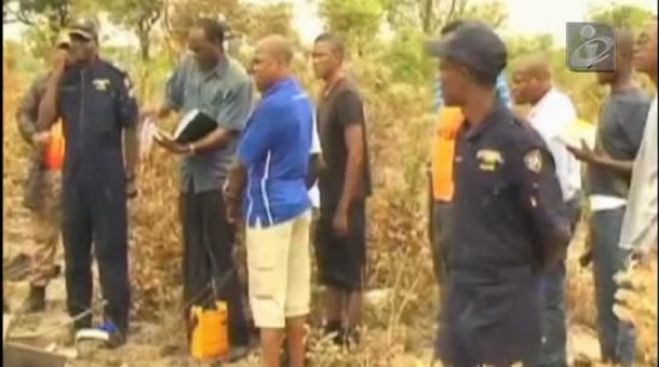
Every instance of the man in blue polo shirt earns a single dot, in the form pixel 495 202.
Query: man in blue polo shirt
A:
pixel 274 155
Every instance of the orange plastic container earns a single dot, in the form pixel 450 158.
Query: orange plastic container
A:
pixel 443 150
pixel 55 148
pixel 210 336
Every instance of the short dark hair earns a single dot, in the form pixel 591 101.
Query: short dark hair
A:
pixel 335 41
pixel 450 27
pixel 213 29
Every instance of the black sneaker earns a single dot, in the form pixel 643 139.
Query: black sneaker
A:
pixel 334 330
pixel 237 352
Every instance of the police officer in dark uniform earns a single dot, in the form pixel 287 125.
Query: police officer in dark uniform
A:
pixel 510 222
pixel 96 103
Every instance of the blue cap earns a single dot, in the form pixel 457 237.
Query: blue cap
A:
pixel 474 45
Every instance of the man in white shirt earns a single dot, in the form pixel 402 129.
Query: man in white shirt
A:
pixel 551 113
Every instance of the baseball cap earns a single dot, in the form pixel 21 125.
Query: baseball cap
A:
pixel 475 45
pixel 85 28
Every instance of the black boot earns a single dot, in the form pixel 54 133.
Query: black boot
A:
pixel 335 330
pixel 36 300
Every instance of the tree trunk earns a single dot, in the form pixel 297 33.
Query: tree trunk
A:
pixel 427 16
pixel 145 44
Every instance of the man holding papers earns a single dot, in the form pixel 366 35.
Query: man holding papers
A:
pixel 208 85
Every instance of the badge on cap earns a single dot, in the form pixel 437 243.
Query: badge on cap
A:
pixel 533 160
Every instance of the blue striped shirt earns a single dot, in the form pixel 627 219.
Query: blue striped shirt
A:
pixel 275 150
pixel 503 92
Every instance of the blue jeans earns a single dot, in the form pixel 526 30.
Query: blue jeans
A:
pixel 554 341
pixel 617 338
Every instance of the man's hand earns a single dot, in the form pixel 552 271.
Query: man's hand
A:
pixel 584 154
pixel 150 113
pixel 586 258
pixel 41 138
pixel 233 212
pixel 61 60
pixel 131 189
pixel 154 113
pixel 340 223
pixel 171 145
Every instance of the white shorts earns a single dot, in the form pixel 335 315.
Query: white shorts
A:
pixel 279 271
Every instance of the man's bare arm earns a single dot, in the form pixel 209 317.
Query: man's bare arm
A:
pixel 48 109
pixel 131 150
pixel 625 167
pixel 233 191
pixel 587 155
pixel 28 111
pixel 354 136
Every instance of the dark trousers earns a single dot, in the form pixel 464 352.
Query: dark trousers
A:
pixel 442 222
pixel 554 346
pixel 208 255
pixel 96 211
pixel 616 337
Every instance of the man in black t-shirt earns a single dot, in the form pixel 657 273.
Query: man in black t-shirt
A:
pixel 619 135
pixel 344 185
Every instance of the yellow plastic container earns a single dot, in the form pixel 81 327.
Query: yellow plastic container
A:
pixel 210 335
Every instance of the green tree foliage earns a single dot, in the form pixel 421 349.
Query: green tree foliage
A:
pixel 433 14
pixel 182 14
pixel 56 13
pixel 268 19
pixel 357 20
pixel 140 16
pixel 621 16
pixel 46 18
pixel 244 20
pixel 406 59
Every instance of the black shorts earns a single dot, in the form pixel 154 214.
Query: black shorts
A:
pixel 341 261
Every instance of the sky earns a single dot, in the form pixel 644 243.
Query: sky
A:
pixel 524 17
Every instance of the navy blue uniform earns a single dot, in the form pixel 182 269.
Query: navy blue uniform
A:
pixel 509 218
pixel 96 104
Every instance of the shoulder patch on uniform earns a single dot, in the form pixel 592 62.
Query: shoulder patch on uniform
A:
pixel 533 160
